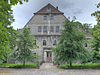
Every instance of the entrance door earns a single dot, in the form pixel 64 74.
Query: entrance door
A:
pixel 49 56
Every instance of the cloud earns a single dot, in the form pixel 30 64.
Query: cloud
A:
pixel 78 8
pixel 77 11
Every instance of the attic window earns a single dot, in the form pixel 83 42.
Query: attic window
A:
pixel 48 10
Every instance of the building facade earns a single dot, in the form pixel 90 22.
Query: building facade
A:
pixel 45 25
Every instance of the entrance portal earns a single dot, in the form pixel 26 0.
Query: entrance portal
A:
pixel 49 56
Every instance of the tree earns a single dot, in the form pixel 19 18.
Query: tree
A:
pixel 6 31
pixel 96 35
pixel 86 27
pixel 25 44
pixel 4 43
pixel 70 45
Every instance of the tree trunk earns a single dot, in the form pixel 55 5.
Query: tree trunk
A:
pixel 24 62
pixel 70 63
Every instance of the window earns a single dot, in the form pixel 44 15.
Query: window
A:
pixel 51 29
pixel 44 42
pixel 57 28
pixel 35 55
pixel 45 29
pixel 48 10
pixel 54 42
pixel 35 42
pixel 51 17
pixel 86 45
pixel 39 28
pixel 45 17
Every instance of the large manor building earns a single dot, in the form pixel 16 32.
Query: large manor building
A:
pixel 45 26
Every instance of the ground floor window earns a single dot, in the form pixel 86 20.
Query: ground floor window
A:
pixel 44 42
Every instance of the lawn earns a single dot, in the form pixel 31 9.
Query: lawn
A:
pixel 18 66
pixel 80 66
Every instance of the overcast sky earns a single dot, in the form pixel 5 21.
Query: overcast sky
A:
pixel 82 9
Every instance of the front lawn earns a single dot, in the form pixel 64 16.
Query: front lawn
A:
pixel 18 66
pixel 80 66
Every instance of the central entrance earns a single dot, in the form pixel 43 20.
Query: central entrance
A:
pixel 49 56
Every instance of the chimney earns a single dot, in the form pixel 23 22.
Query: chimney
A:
pixel 57 7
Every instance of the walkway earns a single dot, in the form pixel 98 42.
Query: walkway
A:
pixel 48 69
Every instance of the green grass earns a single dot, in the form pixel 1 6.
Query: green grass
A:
pixel 81 66
pixel 18 65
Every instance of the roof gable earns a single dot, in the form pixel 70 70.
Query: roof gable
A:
pixel 49 9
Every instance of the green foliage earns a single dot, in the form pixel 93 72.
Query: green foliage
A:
pixel 18 65
pixel 96 35
pixel 25 44
pixel 81 66
pixel 70 46
pixel 4 43
pixel 7 33
pixel 86 27
pixel 96 41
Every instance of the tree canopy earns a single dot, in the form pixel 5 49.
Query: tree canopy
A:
pixel 70 45
pixel 7 33
pixel 25 44
pixel 96 35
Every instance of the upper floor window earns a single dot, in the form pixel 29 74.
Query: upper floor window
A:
pixel 54 42
pixel 45 29
pixel 44 42
pixel 57 28
pixel 51 29
pixel 39 28
pixel 45 17
pixel 51 17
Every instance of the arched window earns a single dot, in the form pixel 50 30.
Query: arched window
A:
pixel 44 42
pixel 54 42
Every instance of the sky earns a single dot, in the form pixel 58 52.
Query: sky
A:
pixel 81 9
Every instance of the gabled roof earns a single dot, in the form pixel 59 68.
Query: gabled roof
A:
pixel 49 9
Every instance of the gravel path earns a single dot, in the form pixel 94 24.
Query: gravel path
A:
pixel 48 69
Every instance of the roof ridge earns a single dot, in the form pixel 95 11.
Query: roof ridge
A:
pixel 53 9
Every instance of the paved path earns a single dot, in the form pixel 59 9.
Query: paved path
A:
pixel 48 69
